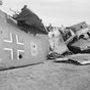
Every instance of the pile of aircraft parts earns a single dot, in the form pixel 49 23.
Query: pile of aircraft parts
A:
pixel 75 40
pixel 25 41
pixel 78 44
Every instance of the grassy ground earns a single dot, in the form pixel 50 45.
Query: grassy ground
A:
pixel 47 76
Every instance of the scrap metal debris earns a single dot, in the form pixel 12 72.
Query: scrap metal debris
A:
pixel 77 39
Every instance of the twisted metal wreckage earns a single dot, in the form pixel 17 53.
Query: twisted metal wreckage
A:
pixel 24 41
pixel 76 40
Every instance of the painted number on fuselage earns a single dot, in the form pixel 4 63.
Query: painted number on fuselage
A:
pixel 34 50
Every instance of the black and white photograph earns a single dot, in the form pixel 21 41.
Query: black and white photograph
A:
pixel 44 45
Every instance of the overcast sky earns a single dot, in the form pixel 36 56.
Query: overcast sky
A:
pixel 57 12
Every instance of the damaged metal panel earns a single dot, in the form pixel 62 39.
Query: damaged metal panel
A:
pixel 78 26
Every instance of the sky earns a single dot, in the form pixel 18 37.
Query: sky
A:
pixel 56 12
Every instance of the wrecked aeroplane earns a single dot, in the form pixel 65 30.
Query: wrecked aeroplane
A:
pixel 25 41
pixel 78 43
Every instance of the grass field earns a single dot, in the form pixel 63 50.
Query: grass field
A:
pixel 47 76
